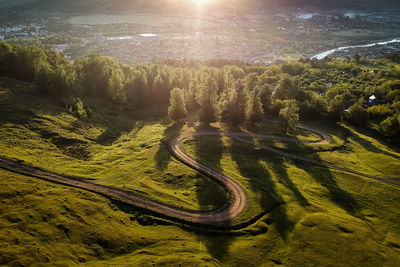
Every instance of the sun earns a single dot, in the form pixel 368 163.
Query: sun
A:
pixel 200 2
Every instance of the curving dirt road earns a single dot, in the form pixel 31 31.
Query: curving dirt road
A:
pixel 237 199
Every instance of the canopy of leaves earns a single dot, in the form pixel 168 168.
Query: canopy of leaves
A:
pixel 177 109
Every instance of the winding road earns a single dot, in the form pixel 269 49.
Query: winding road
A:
pixel 237 199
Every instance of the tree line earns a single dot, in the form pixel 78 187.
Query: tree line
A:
pixel 219 90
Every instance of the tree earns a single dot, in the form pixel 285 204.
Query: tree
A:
pixel 137 89
pixel 380 111
pixel 390 126
pixel 286 89
pixel 251 81
pixel 94 73
pixel 25 57
pixel 255 109
pixel 7 60
pixel 357 115
pixel 208 100
pixel 190 97
pixel 314 106
pixel 160 90
pixel 289 115
pixel 234 107
pixel 237 106
pixel 293 68
pixel 43 74
pixel 336 108
pixel 237 72
pixel 229 80
pixel 266 98
pixel 115 88
pixel 176 110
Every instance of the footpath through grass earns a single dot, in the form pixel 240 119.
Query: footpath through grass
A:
pixel 328 219
pixel 327 213
pixel 112 148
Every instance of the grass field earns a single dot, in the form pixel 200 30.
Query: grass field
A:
pixel 353 148
pixel 42 223
pixel 342 205
pixel 113 150
pixel 329 218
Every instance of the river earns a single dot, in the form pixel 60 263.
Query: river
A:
pixel 329 52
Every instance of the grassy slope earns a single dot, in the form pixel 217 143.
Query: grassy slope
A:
pixel 329 218
pixel 328 214
pixel 353 148
pixel 43 223
pixel 114 150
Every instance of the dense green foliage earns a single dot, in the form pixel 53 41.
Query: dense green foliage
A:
pixel 177 108
pixel 288 115
pixel 236 94
pixel 119 145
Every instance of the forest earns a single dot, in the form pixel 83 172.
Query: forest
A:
pixel 219 90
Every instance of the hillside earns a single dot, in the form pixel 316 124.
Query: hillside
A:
pixel 78 227
pixel 327 196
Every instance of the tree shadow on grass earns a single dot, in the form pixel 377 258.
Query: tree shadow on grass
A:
pixel 116 128
pixel 209 151
pixel 210 195
pixel 218 244
pixel 324 177
pixel 278 167
pixel 261 183
pixel 368 145
pixel 163 156
pixel 22 105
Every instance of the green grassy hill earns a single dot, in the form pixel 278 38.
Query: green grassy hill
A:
pixel 329 218
pixel 47 224
pixel 113 148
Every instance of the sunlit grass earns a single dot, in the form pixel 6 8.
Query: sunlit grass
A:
pixel 320 206
pixel 328 218
pixel 113 150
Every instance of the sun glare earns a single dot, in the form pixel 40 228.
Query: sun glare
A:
pixel 200 2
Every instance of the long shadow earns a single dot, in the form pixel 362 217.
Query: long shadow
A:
pixel 209 151
pixel 283 178
pixel 278 168
pixel 163 157
pixel 115 129
pixel 25 107
pixel 365 143
pixel 261 183
pixel 325 178
pixel 209 148
pixel 21 104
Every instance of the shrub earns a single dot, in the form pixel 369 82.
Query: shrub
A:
pixel 357 115
pixel 390 126
pixel 379 111
pixel 75 106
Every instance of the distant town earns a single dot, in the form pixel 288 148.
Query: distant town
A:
pixel 260 38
